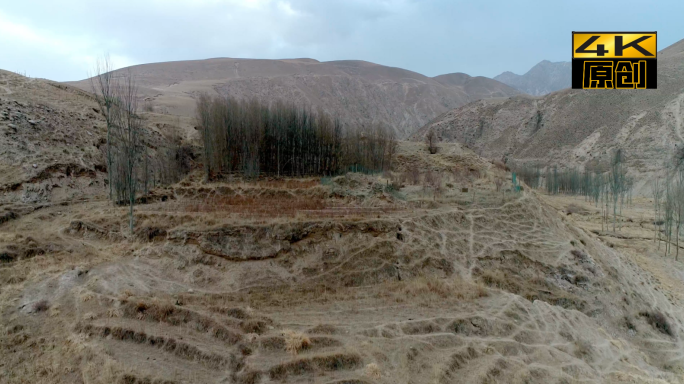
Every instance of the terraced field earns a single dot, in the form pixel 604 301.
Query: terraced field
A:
pixel 451 288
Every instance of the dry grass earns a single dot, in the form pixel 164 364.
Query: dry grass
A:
pixel 87 296
pixel 321 363
pixel 287 183
pixel 114 312
pixel 247 206
pixel 499 279
pixel 500 165
pixel 177 316
pixel 295 341
pixel 250 377
pixel 576 209
pixel 372 370
pixel 531 288
pixel 168 344
pixel 325 329
pixel 250 337
pixel 583 349
pixel 242 207
pixel 54 311
pixel 420 290
pixel 443 288
pixel 125 295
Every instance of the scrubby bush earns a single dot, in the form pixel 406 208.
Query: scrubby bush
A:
pixel 41 306
pixel 658 321
pixel 295 341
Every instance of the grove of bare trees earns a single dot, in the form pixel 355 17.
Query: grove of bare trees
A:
pixel 253 138
pixel 103 88
pixel 131 168
pixel 118 99
pixel 610 189
pixel 668 199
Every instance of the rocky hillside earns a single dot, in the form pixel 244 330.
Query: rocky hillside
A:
pixel 578 127
pixel 542 79
pixel 358 92
pixel 50 141
pixel 53 140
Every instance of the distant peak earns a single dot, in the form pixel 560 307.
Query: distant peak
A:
pixel 457 78
pixel 456 74
pixel 301 60
pixel 506 75
pixel 549 62
pixel 544 77
pixel 351 62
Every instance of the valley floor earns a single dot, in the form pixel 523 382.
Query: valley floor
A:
pixel 634 238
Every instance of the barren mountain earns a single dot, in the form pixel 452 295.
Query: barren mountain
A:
pixel 542 79
pixel 578 127
pixel 358 92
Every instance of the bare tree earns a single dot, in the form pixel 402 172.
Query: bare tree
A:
pixel 678 206
pixel 657 195
pixel 498 182
pixel 414 174
pixel 617 181
pixel 431 141
pixel 203 116
pixel 391 148
pixel 427 181
pixel 437 186
pixel 146 170
pixel 127 133
pixel 103 85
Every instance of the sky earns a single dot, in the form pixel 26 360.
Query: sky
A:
pixel 62 39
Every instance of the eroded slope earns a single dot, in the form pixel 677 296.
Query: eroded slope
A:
pixel 359 283
pixel 578 128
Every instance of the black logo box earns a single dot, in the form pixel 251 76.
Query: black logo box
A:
pixel 651 70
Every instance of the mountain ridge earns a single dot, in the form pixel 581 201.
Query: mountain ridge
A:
pixel 545 77
pixel 359 92
pixel 579 128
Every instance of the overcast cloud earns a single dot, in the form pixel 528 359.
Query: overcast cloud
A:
pixel 60 39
